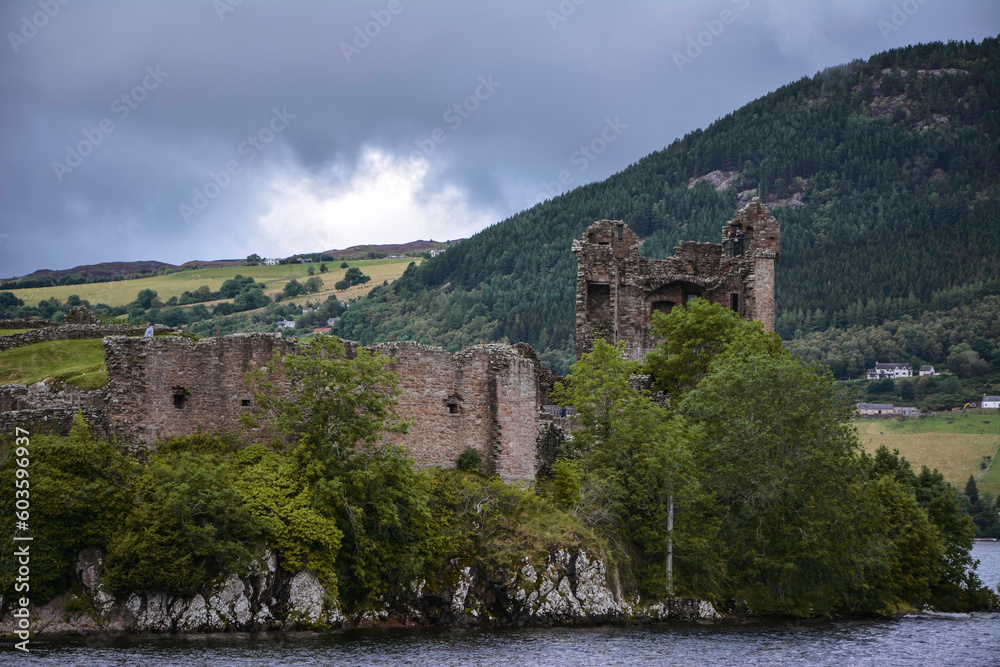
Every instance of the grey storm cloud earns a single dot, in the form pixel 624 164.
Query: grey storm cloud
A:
pixel 115 116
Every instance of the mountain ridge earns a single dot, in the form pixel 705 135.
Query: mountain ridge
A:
pixel 893 176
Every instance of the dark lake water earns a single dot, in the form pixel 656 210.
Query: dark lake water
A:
pixel 932 639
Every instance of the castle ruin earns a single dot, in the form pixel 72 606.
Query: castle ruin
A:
pixel 617 291
pixel 487 397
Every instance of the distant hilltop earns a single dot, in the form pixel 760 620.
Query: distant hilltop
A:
pixel 363 251
pixel 120 270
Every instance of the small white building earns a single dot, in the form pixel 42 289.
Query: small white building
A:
pixel 286 324
pixel 991 402
pixel 332 321
pixel 886 410
pixel 272 261
pixel 875 409
pixel 926 370
pixel 889 370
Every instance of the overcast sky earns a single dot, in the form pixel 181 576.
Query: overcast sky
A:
pixel 206 129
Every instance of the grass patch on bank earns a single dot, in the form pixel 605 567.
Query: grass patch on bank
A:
pixel 953 443
pixel 79 363
pixel 11 332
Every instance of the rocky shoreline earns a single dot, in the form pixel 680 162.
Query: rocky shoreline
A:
pixel 571 588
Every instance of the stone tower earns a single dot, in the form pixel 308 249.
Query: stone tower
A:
pixel 617 291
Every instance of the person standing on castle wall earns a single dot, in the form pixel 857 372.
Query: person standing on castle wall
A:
pixel 149 330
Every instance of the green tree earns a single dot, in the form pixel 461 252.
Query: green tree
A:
pixel 8 300
pixel 233 286
pixel 293 288
pixel 955 585
pixel 314 285
pixel 340 497
pixel 972 491
pixel 635 476
pixel 188 523
pixel 354 276
pixel 883 386
pixel 906 390
pixel 173 317
pixel 693 336
pixel 782 460
pixel 253 259
pixel 249 299
pixel 145 299
pixel 79 489
pixel 967 363
pixel 323 268
pixel 986 519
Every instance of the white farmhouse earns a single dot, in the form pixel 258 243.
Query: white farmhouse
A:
pixel 882 371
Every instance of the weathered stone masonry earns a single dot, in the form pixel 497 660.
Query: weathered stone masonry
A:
pixel 42 408
pixel 164 387
pixel 485 396
pixel 618 291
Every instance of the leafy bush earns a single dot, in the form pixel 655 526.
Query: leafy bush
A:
pixel 79 490
pixel 469 460
pixel 188 522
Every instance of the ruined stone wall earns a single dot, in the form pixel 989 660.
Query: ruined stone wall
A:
pixel 618 290
pixel 446 396
pixel 26 324
pixel 44 409
pixel 73 332
pixel 164 387
pixel 515 394
pixel 485 396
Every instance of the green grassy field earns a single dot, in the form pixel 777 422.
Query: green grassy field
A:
pixel 79 363
pixel 953 443
pixel 8 332
pixel 174 284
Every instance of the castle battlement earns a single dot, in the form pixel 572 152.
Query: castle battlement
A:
pixel 618 290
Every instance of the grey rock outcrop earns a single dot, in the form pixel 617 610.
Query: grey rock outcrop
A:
pixel 572 587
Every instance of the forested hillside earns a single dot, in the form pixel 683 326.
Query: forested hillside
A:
pixel 883 174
